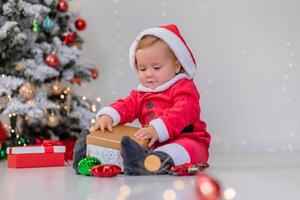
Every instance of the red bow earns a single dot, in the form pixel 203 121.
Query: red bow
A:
pixel 52 143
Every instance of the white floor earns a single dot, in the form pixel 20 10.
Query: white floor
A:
pixel 254 176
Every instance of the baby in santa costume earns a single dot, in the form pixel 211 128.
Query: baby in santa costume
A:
pixel 166 102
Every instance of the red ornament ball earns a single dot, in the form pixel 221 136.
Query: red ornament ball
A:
pixel 105 170
pixel 62 6
pixel 207 188
pixel 52 60
pixel 80 24
pixel 69 38
pixel 94 73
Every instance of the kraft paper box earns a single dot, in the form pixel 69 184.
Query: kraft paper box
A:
pixel 106 145
pixel 35 156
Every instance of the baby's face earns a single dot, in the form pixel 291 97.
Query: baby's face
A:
pixel 155 65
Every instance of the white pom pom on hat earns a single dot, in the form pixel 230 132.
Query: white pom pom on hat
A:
pixel 171 35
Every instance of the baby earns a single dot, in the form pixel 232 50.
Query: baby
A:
pixel 166 102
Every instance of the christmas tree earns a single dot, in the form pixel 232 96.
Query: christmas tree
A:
pixel 40 59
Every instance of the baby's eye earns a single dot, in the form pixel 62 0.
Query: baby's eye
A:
pixel 157 67
pixel 141 69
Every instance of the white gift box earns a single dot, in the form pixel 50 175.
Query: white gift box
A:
pixel 105 155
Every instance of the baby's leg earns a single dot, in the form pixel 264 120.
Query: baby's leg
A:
pixel 79 151
pixel 185 150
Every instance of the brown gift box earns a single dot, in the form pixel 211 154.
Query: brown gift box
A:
pixel 113 139
pixel 106 145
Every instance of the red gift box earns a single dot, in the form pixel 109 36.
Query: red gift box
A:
pixel 45 155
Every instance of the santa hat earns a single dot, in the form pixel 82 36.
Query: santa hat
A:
pixel 171 35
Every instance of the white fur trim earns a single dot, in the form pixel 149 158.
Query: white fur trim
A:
pixel 164 86
pixel 161 129
pixel 113 113
pixel 174 42
pixel 176 152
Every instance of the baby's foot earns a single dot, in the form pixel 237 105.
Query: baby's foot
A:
pixel 133 156
pixel 137 161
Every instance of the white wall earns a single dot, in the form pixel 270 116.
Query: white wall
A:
pixel 248 62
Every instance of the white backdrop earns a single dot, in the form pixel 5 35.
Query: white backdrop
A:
pixel 248 62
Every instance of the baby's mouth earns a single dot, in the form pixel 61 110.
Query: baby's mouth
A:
pixel 151 81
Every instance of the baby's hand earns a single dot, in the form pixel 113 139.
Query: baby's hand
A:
pixel 147 133
pixel 103 122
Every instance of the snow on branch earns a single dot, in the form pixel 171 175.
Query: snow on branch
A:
pixel 39 72
pixel 36 108
pixel 8 84
pixel 7 28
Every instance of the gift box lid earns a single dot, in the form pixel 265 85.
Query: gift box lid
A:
pixel 36 149
pixel 113 139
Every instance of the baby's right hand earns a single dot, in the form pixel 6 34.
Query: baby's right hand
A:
pixel 103 122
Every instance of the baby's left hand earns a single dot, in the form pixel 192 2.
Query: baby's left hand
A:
pixel 147 133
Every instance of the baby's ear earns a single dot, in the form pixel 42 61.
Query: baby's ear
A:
pixel 178 66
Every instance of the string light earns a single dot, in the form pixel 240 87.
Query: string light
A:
pixel 55 88
pixel 118 24
pixel 229 193
pixel 98 99
pixel 169 194
pixel 62 96
pixel 179 185
pixel 53 120
pixel 120 198
pixel 120 72
pixel 9 97
pixel 83 98
pixel 66 107
pixel 290 147
pixel 65 91
pixel 30 102
pixel 94 108
pixel 125 191
pixel 163 12
pixel 206 188
pixel 120 48
pixel 120 60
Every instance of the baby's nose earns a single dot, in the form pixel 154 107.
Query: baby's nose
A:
pixel 149 73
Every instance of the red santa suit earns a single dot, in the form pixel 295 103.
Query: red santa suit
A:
pixel 172 109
